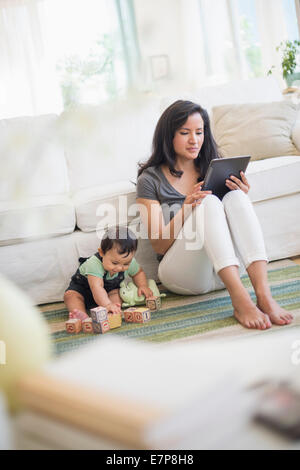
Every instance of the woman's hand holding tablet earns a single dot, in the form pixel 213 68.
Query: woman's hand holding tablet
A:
pixel 226 174
pixel 237 183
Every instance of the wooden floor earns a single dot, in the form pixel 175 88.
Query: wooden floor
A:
pixel 296 259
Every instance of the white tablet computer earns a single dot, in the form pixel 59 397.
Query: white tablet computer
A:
pixel 219 170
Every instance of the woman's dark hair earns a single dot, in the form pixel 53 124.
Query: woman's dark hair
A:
pixel 121 237
pixel 170 121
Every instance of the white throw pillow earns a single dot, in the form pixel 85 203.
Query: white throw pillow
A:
pixel 262 130
pixel 296 132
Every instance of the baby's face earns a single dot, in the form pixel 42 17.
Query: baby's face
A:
pixel 114 262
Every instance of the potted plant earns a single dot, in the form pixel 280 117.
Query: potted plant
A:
pixel 290 60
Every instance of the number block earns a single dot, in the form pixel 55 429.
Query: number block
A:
pixel 129 314
pixel 101 327
pixel 87 325
pixel 98 314
pixel 153 303
pixel 114 320
pixel 137 315
pixel 73 325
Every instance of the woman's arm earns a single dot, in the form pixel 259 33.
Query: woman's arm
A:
pixel 163 236
pixel 160 235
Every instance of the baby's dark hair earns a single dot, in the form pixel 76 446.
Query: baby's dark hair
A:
pixel 121 237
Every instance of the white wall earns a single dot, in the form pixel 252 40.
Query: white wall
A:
pixel 170 27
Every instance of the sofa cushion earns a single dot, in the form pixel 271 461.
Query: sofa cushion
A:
pixel 105 205
pixel 296 133
pixel 262 130
pixel 39 217
pixel 104 143
pixel 34 184
pixel 273 178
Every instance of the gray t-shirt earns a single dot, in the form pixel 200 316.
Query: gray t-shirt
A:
pixel 152 184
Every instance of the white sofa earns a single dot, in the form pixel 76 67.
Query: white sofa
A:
pixel 58 171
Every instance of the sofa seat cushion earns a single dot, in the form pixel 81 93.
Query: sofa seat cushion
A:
pixel 36 217
pixel 105 205
pixel 273 177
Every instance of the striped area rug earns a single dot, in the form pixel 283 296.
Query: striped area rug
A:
pixel 188 318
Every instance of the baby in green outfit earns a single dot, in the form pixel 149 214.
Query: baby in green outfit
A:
pixel 97 280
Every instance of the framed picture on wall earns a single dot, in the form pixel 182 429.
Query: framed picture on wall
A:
pixel 159 66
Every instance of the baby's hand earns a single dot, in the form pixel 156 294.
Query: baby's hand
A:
pixel 145 291
pixel 113 308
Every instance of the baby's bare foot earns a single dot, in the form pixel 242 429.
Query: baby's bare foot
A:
pixel 78 314
pixel 252 317
pixel 278 315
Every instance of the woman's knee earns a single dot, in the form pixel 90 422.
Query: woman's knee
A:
pixel 236 198
pixel 210 202
pixel 211 199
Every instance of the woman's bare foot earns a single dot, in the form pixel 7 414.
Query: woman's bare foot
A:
pixel 253 318
pixel 78 314
pixel 247 313
pixel 277 315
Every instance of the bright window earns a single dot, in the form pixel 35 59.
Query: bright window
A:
pixel 240 36
pixel 56 53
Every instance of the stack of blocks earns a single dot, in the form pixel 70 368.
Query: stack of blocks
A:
pixel 103 321
pixel 99 320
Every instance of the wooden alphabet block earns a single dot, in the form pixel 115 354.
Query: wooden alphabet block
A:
pixel 98 314
pixel 87 325
pixel 137 315
pixel 114 320
pixel 153 303
pixel 73 325
pixel 101 327
pixel 129 314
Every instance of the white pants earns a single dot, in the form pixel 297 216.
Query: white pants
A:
pixel 230 235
